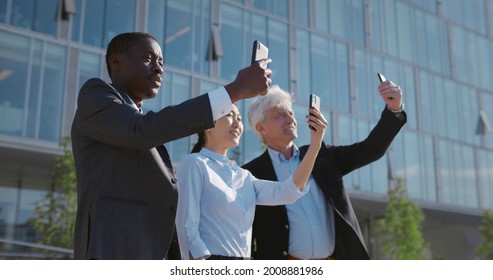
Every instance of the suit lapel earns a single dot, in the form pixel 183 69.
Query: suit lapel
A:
pixel 266 171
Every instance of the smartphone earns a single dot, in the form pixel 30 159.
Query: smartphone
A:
pixel 381 78
pixel 314 103
pixel 259 51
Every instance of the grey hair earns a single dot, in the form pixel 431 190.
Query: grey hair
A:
pixel 275 97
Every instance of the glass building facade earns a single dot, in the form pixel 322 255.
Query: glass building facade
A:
pixel 437 51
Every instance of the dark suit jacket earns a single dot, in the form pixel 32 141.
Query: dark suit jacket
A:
pixel 271 225
pixel 126 187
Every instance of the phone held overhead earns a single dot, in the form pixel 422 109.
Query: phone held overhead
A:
pixel 259 51
pixel 381 78
pixel 314 103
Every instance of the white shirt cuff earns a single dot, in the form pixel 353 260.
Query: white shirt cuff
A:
pixel 220 103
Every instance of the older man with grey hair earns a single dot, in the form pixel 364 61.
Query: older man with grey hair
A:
pixel 322 224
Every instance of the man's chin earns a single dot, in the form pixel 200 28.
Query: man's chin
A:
pixel 151 94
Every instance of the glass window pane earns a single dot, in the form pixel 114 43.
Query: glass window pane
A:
pixel 427 170
pixel 407 83
pixel 339 77
pixel 8 198
pixel 76 22
pixel 202 36
pixel 27 203
pixel 181 93
pixel 89 66
pixel 412 165
pixel 303 64
pixel 14 70
pixel 301 12
pixel 51 103
pixel 206 86
pixel 446 190
pixel 362 83
pixel 486 178
pixel 45 18
pixel 468 182
pixel 384 26
pixel 321 15
pixel 3 11
pixel 119 17
pixel 426 4
pixel 259 28
pixel 278 43
pixel 35 94
pixel 320 67
pixel 178 38
pixel 156 19
pixel 404 32
pixel 93 21
pixel 486 100
pixel 457 174
pixel 490 12
pixel 426 85
pixel 364 173
pixel 469 13
pixel 232 38
pixel 276 7
pixel 22 13
pixel 346 19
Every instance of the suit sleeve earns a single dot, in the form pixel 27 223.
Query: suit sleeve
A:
pixel 104 117
pixel 373 147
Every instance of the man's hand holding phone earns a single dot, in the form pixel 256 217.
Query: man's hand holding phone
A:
pixel 314 103
pixel 259 51
pixel 391 94
pixel 254 79
pixel 316 121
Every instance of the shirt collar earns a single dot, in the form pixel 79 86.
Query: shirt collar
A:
pixel 219 158
pixel 278 157
pixel 126 97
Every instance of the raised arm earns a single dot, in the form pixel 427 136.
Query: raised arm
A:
pixel 302 173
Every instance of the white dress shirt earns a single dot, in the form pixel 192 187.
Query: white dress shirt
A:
pixel 311 218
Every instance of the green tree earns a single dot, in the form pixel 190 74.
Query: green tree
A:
pixel 485 250
pixel 54 218
pixel 400 229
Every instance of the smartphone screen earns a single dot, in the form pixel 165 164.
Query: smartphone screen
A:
pixel 314 103
pixel 259 51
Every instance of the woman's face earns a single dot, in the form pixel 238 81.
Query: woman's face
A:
pixel 227 132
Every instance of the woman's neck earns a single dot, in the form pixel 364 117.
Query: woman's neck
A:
pixel 217 149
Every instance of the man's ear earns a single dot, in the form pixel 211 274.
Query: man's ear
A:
pixel 260 128
pixel 115 62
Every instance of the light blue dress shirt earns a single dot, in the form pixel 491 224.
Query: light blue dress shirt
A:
pixel 216 204
pixel 311 219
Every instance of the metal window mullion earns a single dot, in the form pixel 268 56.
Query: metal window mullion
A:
pixel 81 22
pixel 65 92
pixel 8 12
pixel 193 33
pixel 40 91
pixel 28 88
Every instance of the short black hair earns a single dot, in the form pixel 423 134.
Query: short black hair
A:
pixel 122 42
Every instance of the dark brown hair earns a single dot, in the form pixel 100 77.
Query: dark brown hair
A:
pixel 200 143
